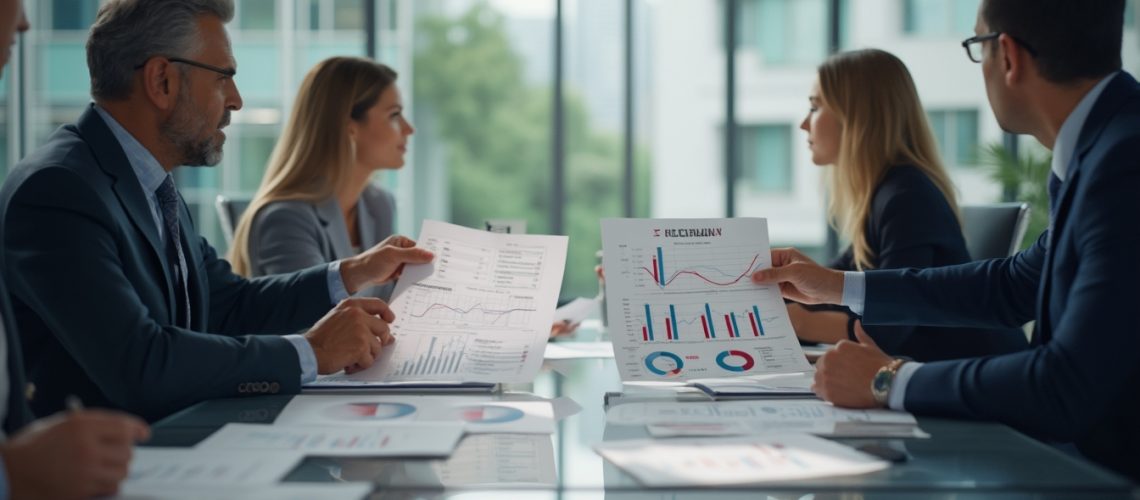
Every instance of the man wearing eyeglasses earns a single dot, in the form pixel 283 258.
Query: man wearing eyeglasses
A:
pixel 117 298
pixel 1052 69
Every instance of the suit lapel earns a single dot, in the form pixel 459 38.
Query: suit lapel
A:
pixel 329 213
pixel 111 158
pixel 1108 103
pixel 198 286
pixel 367 225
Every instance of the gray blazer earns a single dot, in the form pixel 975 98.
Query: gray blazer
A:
pixel 287 236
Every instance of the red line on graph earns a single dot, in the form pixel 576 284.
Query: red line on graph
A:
pixel 728 324
pixel 705 324
pixel 657 279
pixel 755 331
pixel 645 333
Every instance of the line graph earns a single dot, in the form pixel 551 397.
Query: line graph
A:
pixel 658 272
pixel 680 268
pixel 443 307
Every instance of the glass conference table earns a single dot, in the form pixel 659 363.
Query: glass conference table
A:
pixel 960 460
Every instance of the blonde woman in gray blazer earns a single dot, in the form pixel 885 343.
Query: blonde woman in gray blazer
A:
pixel 316 203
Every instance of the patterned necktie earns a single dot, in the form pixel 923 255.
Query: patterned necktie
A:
pixel 168 202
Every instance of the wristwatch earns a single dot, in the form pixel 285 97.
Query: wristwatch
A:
pixel 881 383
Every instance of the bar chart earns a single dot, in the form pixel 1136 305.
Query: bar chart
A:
pixel 704 322
pixel 434 355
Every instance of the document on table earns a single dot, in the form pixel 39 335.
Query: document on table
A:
pixel 414 439
pixel 756 417
pixel 577 310
pixel 499 460
pixel 280 491
pixel 682 305
pixel 579 350
pixel 775 385
pixel 477 414
pixel 736 461
pixel 480 312
pixel 192 466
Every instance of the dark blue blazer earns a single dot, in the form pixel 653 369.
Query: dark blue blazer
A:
pixel 1079 282
pixel 93 300
pixel 911 225
pixel 18 414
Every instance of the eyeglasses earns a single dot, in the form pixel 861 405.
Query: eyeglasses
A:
pixel 973 45
pixel 209 67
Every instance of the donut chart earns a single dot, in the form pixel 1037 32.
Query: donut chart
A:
pixel 369 411
pixel 741 361
pixel 665 364
pixel 489 414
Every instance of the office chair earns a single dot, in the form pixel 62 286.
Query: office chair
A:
pixel 229 213
pixel 994 230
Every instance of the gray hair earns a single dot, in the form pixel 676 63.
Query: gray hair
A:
pixel 127 33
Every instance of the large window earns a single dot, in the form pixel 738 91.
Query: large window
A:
pixel 937 18
pixel 957 135
pixel 766 157
pixel 783 32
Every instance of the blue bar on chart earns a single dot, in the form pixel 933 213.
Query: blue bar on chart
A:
pixel 735 327
pixel 661 268
pixel 676 325
pixel 759 324
pixel 708 314
pixel 649 322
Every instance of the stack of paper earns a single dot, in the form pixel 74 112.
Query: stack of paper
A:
pixel 777 385
pixel 758 417
pixel 477 414
pixel 736 461
pixel 411 439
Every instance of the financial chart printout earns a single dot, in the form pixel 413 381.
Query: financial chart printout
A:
pixel 480 312
pixel 682 305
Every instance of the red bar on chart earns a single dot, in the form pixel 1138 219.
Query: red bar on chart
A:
pixel 645 334
pixel 705 324
pixel 655 277
pixel 668 329
pixel 755 331
pixel 728 324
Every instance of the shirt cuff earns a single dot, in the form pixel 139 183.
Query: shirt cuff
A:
pixel 337 291
pixel 306 355
pixel 897 397
pixel 854 291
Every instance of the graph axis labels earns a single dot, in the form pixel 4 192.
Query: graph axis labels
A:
pixel 666 357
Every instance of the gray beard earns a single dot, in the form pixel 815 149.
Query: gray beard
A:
pixel 183 130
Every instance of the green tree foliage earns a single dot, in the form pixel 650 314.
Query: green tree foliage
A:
pixel 495 131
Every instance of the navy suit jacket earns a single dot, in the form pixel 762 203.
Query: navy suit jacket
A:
pixel 93 299
pixel 912 226
pixel 1079 281
pixel 18 414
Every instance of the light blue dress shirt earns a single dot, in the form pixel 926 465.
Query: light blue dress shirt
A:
pixel 855 283
pixel 151 175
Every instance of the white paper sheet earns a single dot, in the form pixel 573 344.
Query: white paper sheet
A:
pixel 579 350
pixel 280 491
pixel 480 312
pixel 682 305
pixel 192 466
pixel 499 460
pixel 736 461
pixel 812 417
pixel 437 439
pixel 775 385
pixel 479 414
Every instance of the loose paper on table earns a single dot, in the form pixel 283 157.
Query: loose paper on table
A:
pixel 480 312
pixel 736 461
pixel 752 417
pixel 682 305
pixel 192 466
pixel 280 491
pixel 393 440
pixel 478 414
pixel 579 350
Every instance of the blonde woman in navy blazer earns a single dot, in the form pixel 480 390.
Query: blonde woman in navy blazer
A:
pixel 316 203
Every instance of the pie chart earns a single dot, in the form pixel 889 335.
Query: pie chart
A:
pixel 665 364
pixel 369 411
pixel 735 361
pixel 489 414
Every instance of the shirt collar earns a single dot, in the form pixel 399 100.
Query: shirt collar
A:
pixel 1066 143
pixel 145 165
